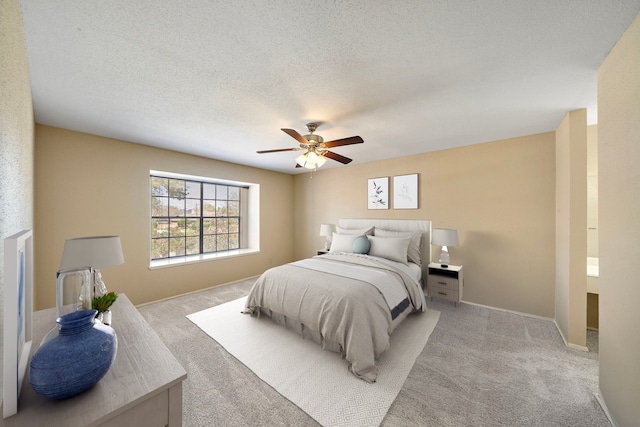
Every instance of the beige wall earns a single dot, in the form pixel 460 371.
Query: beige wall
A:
pixel 619 221
pixel 88 185
pixel 571 228
pixel 16 135
pixel 498 195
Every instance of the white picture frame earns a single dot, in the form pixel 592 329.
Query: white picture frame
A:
pixel 18 312
pixel 405 191
pixel 378 193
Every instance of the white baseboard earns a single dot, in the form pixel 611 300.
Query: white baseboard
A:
pixel 577 347
pixel 534 316
pixel 196 291
pixel 604 408
pixel 568 344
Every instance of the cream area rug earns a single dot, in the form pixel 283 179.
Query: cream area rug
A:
pixel 317 381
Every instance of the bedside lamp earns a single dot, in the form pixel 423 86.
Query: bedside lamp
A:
pixel 90 254
pixel 444 237
pixel 327 230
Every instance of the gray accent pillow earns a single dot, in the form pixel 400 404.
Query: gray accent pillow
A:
pixel 342 242
pixel 393 248
pixel 359 231
pixel 414 254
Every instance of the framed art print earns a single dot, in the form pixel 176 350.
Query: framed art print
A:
pixel 405 191
pixel 18 310
pixel 378 193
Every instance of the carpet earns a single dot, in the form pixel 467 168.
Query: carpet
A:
pixel 317 381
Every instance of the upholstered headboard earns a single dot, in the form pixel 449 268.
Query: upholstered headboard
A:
pixel 398 225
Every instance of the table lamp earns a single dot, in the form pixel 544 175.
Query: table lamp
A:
pixel 92 253
pixel 327 230
pixel 444 237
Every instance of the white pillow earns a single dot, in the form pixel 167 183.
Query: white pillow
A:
pixel 414 252
pixel 393 248
pixel 358 231
pixel 343 242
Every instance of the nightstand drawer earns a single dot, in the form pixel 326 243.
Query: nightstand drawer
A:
pixel 447 294
pixel 443 282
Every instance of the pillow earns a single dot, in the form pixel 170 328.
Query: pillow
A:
pixel 414 253
pixel 342 242
pixel 358 231
pixel 393 248
pixel 361 245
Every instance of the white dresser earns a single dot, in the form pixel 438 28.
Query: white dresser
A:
pixel 142 388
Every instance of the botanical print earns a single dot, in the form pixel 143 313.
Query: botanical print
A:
pixel 405 191
pixel 378 192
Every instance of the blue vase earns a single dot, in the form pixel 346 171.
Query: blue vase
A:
pixel 75 359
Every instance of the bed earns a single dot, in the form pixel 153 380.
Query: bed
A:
pixel 350 302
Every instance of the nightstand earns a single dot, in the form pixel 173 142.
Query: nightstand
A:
pixel 322 251
pixel 445 283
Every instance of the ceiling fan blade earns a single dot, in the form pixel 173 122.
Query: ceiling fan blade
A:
pixel 295 135
pixel 343 141
pixel 298 165
pixel 278 150
pixel 337 157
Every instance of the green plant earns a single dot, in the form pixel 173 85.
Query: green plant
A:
pixel 103 303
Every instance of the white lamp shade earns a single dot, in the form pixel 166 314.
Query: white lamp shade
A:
pixel 320 160
pixel 96 251
pixel 444 237
pixel 311 160
pixel 301 159
pixel 327 229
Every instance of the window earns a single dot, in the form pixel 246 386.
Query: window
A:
pixel 191 216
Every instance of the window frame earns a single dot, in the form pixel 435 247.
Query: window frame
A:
pixel 247 223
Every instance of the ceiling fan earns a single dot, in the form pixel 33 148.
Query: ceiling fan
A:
pixel 317 148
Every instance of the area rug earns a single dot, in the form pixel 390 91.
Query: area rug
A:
pixel 317 381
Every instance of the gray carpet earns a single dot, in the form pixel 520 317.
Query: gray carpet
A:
pixel 480 367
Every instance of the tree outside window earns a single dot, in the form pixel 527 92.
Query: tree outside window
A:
pixel 193 217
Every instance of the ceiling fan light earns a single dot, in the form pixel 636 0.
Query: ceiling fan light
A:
pixel 301 159
pixel 311 160
pixel 312 157
pixel 314 160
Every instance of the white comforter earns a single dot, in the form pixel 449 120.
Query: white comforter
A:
pixel 343 311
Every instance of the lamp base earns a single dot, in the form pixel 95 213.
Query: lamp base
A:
pixel 444 258
pixel 327 243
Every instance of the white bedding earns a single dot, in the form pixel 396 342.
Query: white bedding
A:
pixel 343 307
pixel 343 314
pixel 412 269
pixel 392 293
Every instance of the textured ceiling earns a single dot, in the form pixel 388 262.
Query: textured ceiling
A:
pixel 220 78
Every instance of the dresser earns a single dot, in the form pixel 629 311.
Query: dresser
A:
pixel 142 388
pixel 445 283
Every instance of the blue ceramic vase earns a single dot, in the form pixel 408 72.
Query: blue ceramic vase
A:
pixel 75 359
